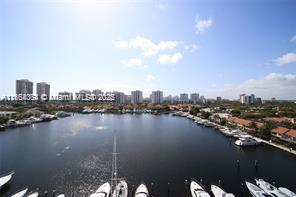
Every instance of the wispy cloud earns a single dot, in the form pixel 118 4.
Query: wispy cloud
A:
pixel 293 39
pixel 287 58
pixel 271 85
pixel 191 47
pixel 202 25
pixel 147 47
pixel 134 62
pixel 169 59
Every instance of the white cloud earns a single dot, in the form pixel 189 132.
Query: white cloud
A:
pixel 134 62
pixel 277 85
pixel 147 47
pixel 169 59
pixel 191 47
pixel 201 25
pixel 286 59
pixel 293 38
pixel 150 77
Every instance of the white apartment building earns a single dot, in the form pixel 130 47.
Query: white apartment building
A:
pixel 157 97
pixel 136 97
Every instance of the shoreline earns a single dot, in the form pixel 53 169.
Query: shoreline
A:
pixel 174 113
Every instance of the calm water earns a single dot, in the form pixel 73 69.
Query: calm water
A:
pixel 73 155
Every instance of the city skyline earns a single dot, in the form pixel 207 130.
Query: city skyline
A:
pixel 100 45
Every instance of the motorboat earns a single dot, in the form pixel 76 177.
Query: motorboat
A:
pixel 33 194
pixel 197 190
pixel 218 192
pixel 20 193
pixel 269 189
pixel 11 123
pixel 61 195
pixel 287 192
pixel 247 141
pixel 103 191
pixel 5 179
pixel 256 191
pixel 121 189
pixel 142 191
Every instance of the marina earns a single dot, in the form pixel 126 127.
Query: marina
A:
pixel 84 149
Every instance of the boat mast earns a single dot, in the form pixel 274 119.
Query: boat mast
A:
pixel 114 178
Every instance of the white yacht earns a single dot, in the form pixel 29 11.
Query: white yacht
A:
pixel 247 141
pixel 20 193
pixel 103 191
pixel 5 179
pixel 218 192
pixel 33 194
pixel 61 195
pixel 269 189
pixel 256 191
pixel 121 189
pixel 142 191
pixel 287 192
pixel 197 190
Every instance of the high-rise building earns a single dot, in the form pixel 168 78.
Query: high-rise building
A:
pixel 97 92
pixel 258 100
pixel 119 97
pixel 65 96
pixel 157 97
pixel 184 98
pixel 202 99
pixel 43 90
pixel 136 97
pixel 247 99
pixel 194 97
pixel 219 98
pixel 82 94
pixel 24 86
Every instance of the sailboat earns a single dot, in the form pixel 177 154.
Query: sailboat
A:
pixel 5 179
pixel 142 191
pixel 121 189
pixel 118 185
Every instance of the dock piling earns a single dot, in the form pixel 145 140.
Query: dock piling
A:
pixel 256 164
pixel 185 187
pixel 152 189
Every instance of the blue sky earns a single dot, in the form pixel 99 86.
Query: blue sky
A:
pixel 215 48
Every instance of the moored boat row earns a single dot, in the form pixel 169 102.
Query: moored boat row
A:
pixel 243 139
pixel 261 188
